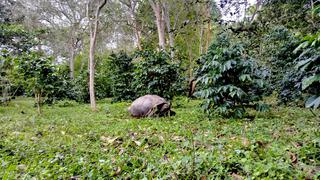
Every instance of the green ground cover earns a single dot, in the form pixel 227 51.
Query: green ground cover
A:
pixel 70 142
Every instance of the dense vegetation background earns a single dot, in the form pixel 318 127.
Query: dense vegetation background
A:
pixel 236 59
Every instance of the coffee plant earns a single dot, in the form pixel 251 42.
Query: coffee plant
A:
pixel 122 76
pixel 304 79
pixel 229 80
pixel 37 75
pixel 156 73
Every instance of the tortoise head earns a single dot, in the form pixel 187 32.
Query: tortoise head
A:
pixel 164 109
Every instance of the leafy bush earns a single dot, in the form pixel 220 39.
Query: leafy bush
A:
pixel 278 48
pixel 77 88
pixel 103 80
pixel 305 77
pixel 122 76
pixel 37 75
pixel 73 89
pixel 156 73
pixel 229 79
pixel 66 103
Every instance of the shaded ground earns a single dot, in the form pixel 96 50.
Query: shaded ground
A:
pixel 72 142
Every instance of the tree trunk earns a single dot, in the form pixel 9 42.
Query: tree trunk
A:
pixel 312 13
pixel 135 23
pixel 93 38
pixel 71 62
pixel 191 79
pixel 169 30
pixel 245 10
pixel 201 39
pixel 208 15
pixel 38 101
pixel 137 34
pixel 91 73
pixel 156 6
pixel 258 3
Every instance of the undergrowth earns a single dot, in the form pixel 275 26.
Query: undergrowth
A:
pixel 71 142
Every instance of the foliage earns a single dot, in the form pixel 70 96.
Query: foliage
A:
pixel 122 76
pixel 66 103
pixel 156 73
pixel 15 38
pixel 77 88
pixel 36 74
pixel 72 142
pixel 277 48
pixel 103 77
pixel 293 14
pixel 229 79
pixel 305 78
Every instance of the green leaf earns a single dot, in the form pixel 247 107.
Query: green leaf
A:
pixel 310 80
pixel 260 83
pixel 313 101
pixel 245 77
pixel 302 63
pixel 227 65
pixel 215 63
pixel 262 107
pixel 301 46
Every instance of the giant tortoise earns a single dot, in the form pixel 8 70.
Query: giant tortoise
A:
pixel 150 106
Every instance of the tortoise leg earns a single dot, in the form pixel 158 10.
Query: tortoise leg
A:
pixel 151 112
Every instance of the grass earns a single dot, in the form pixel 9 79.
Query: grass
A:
pixel 74 143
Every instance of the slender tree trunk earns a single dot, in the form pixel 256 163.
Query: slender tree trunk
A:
pixel 201 39
pixel 73 45
pixel 71 62
pixel 137 34
pixel 192 81
pixel 258 3
pixel 37 96
pixel 91 73
pixel 169 30
pixel 160 26
pixel 135 23
pixel 156 6
pixel 93 38
pixel 245 10
pixel 208 38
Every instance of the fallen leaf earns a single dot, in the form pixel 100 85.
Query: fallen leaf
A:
pixel 75 177
pixel 297 144
pixel 108 140
pixel 293 157
pixel 245 142
pixel 118 172
pixel 161 138
pixel 121 151
pixel 233 138
pixel 138 143
pixel 22 167
pixel 177 138
pixel 236 176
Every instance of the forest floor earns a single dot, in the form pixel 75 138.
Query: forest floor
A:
pixel 69 141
